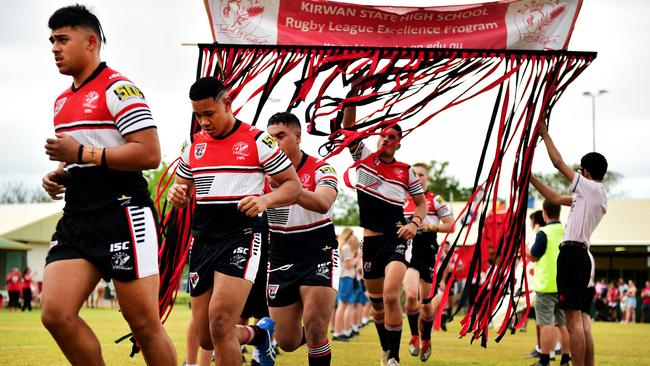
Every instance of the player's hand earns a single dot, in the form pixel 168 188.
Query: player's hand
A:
pixel 177 195
pixel 252 206
pixel 53 183
pixel 543 129
pixel 62 147
pixel 407 231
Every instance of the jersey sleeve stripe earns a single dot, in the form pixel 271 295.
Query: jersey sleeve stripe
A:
pixel 133 114
pixel 184 171
pixel 129 108
pixel 137 123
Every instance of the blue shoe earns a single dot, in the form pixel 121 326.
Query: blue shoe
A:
pixel 267 353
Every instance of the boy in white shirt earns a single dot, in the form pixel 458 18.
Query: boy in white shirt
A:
pixel 574 267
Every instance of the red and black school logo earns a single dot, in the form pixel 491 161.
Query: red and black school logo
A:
pixel 199 150
pixel 272 291
pixel 194 279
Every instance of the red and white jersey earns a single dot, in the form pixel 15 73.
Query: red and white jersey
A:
pixel 436 208
pixel 100 113
pixel 225 170
pixel 382 189
pixel 294 218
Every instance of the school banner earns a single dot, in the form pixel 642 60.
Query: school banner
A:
pixel 509 24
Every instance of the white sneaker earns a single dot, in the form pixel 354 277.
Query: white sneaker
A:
pixel 392 362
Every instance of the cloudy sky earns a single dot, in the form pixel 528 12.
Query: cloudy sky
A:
pixel 144 43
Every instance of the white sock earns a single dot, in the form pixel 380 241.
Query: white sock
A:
pixel 347 332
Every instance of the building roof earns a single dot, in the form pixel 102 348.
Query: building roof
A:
pixel 624 224
pixel 32 222
pixel 6 244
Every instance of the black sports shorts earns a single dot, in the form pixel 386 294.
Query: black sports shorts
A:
pixel 122 242
pixel 423 255
pixel 573 274
pixel 380 250
pixel 236 255
pixel 287 275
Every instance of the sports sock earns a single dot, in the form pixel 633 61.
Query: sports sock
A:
pixel 427 324
pixel 412 316
pixel 255 335
pixel 394 333
pixel 320 354
pixel 565 358
pixel 382 333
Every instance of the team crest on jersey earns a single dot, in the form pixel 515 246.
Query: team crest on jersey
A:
pixel 199 150
pixel 272 291
pixel 240 150
pixel 194 279
pixel 305 178
pixel 399 173
pixel 59 105
pixel 90 101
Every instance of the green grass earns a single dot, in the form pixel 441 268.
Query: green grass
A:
pixel 24 341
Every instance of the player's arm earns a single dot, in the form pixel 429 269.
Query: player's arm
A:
pixel 288 190
pixel 180 192
pixel 554 154
pixel 408 231
pixel 320 200
pixel 446 225
pixel 550 194
pixel 324 195
pixel 54 182
pixel 140 152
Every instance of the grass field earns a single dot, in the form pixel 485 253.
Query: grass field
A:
pixel 24 341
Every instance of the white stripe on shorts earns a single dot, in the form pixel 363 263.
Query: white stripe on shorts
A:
pixel 253 263
pixel 336 269
pixel 145 238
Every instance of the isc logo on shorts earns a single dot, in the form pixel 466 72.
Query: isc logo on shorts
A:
pixel 116 247
pixel 272 291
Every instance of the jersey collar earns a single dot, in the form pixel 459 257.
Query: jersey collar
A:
pixel 98 70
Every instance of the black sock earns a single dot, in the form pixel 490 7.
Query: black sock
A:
pixel 394 336
pixel 565 358
pixel 381 332
pixel 320 354
pixel 413 321
pixel 258 335
pixel 427 324
pixel 544 358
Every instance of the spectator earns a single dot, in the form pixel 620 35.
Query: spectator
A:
pixel 645 300
pixel 349 246
pixel 613 301
pixel 27 289
pixel 13 288
pixel 630 309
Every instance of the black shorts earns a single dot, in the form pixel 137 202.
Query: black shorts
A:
pixel 235 255
pixel 573 274
pixel 423 255
pixel 380 250
pixel 106 239
pixel 286 277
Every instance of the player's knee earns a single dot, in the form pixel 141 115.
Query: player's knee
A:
pixel 54 318
pixel 391 299
pixel 316 331
pixel 411 298
pixel 220 326
pixel 143 328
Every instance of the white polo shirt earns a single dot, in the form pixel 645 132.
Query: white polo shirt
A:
pixel 587 209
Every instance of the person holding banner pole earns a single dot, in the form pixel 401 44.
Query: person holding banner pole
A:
pixel 574 264
pixel 382 186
